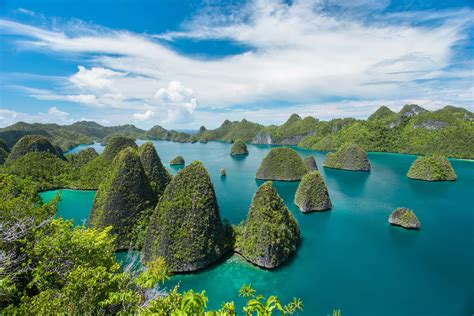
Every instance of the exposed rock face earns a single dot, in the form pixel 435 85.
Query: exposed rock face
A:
pixel 122 197
pixel 33 143
pixel 348 157
pixel 312 193
pixel 270 235
pixel 432 168
pixel 263 138
pixel 405 218
pixel 411 110
pixel 310 163
pixel 202 129
pixel 283 164
pixel 178 160
pixel 223 172
pixel 266 138
pixel 239 148
pixel 186 228
pixel 432 124
pixel 156 173
pixel 115 145
pixel 83 157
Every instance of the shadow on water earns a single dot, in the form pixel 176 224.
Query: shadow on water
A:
pixel 238 158
pixel 429 188
pixel 351 183
pixel 402 237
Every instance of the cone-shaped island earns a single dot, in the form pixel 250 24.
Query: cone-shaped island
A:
pixel 186 228
pixel 312 193
pixel 405 218
pixel 282 164
pixel 270 234
pixel 239 148
pixel 177 161
pixel 432 168
pixel 122 198
pixel 348 157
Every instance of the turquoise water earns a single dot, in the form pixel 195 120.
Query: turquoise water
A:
pixel 74 204
pixel 350 257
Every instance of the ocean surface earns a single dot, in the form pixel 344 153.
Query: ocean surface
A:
pixel 350 258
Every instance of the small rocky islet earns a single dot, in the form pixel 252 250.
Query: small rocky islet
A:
pixel 349 157
pixel 282 164
pixel 312 193
pixel 177 161
pixel 405 218
pixel 432 168
pixel 239 148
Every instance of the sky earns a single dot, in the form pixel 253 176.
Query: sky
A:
pixel 182 64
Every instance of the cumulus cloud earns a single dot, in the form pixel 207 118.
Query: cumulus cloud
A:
pixel 54 111
pixel 298 53
pixel 143 116
pixel 179 101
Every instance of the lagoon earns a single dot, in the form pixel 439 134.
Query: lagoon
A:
pixel 350 257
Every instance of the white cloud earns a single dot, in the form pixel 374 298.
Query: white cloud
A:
pixel 143 116
pixel 54 111
pixel 299 54
pixel 26 11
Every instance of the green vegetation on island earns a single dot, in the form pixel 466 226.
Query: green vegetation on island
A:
pixel 156 173
pixel 413 130
pixel 177 161
pixel 50 267
pixel 405 218
pixel 270 234
pixel 186 228
pixel 239 148
pixel 33 143
pixel 348 157
pixel 46 170
pixel 432 168
pixel 291 132
pixel 4 152
pixel 312 193
pixel 124 199
pixel 115 145
pixel 83 157
pixel 282 164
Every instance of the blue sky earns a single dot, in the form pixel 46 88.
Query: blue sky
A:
pixel 185 63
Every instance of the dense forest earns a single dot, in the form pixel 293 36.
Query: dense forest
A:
pixel 413 130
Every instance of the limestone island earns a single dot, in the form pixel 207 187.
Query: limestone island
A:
pixel 405 218
pixel 310 163
pixel 282 164
pixel 239 148
pixel 186 228
pixel 348 157
pixel 222 172
pixel 177 161
pixel 34 143
pixel 270 234
pixel 312 193
pixel 122 198
pixel 156 173
pixel 115 145
pixel 432 168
